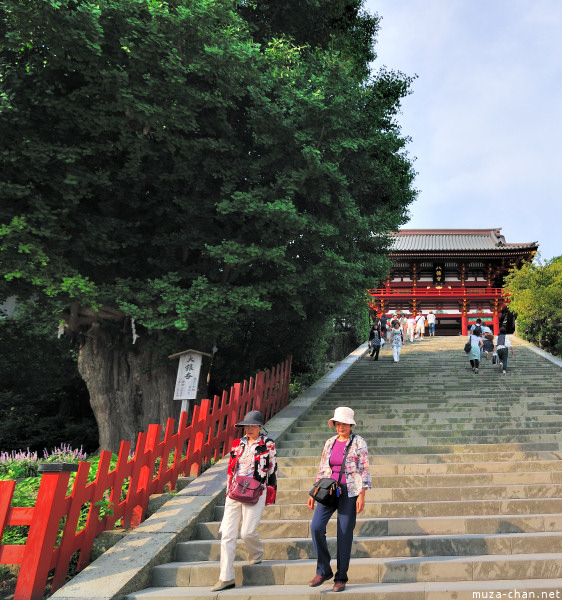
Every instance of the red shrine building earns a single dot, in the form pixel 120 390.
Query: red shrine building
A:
pixel 456 273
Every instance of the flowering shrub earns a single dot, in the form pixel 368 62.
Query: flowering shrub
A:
pixel 15 465
pixel 19 464
pixel 64 454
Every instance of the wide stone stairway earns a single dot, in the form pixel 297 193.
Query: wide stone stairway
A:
pixel 467 487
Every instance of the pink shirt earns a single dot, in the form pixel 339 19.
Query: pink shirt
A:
pixel 336 459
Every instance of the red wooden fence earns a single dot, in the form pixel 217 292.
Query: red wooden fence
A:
pixel 128 486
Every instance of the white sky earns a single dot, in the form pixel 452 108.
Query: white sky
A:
pixel 485 112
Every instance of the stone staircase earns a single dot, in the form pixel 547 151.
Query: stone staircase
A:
pixel 467 488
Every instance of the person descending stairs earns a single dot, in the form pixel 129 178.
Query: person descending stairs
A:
pixel 467 488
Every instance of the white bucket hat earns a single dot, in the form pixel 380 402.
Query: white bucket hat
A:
pixel 342 414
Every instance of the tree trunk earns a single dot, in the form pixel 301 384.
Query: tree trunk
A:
pixel 130 385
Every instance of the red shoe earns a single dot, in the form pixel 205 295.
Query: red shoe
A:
pixel 319 580
pixel 339 586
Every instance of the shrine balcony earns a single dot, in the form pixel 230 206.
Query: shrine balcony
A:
pixel 432 292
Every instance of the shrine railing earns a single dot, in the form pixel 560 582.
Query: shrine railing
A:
pixel 421 292
pixel 55 535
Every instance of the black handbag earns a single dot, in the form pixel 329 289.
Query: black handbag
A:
pixel 327 490
pixel 467 346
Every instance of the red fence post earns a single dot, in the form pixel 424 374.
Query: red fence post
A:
pixel 43 530
pixel 69 533
pixel 6 494
pixel 198 425
pixel 145 474
pixel 287 380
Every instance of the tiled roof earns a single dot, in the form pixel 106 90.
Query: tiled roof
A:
pixel 410 240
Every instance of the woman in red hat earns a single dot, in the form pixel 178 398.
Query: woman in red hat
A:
pixel 254 456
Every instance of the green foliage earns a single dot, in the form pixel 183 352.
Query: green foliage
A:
pixel 219 171
pixel 535 293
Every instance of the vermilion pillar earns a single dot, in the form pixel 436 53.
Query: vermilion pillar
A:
pixel 496 322
pixel 464 319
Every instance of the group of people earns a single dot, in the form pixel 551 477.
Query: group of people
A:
pixel 483 342
pixel 345 458
pixel 399 328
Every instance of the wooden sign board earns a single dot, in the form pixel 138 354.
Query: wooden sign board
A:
pixel 187 380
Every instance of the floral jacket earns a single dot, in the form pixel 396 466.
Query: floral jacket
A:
pixel 356 465
pixel 265 463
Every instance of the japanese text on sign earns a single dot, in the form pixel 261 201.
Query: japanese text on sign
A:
pixel 187 380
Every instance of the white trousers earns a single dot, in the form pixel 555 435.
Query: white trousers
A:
pixel 396 352
pixel 410 333
pixel 245 517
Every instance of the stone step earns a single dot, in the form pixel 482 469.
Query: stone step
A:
pixel 434 417
pixel 427 376
pixel 404 526
pixel 418 569
pixel 436 494
pixel 408 445
pixel 418 449
pixel 440 460
pixel 372 397
pixel 418 398
pixel 367 408
pixel 530 408
pixel 544 433
pixel 442 424
pixel 430 590
pixel 513 506
pixel 436 481
pixel 430 470
pixel 388 546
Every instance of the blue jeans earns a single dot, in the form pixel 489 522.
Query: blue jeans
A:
pixel 432 329
pixel 347 515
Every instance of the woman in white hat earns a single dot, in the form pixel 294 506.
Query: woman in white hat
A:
pixel 254 456
pixel 355 480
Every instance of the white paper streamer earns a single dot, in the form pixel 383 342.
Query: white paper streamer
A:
pixel 135 336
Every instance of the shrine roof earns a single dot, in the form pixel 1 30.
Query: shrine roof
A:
pixel 454 240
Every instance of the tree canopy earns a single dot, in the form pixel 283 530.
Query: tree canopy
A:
pixel 535 293
pixel 221 172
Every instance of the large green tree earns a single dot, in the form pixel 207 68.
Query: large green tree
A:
pixel 535 294
pixel 220 172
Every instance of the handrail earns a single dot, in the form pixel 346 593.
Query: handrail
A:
pixel 453 292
